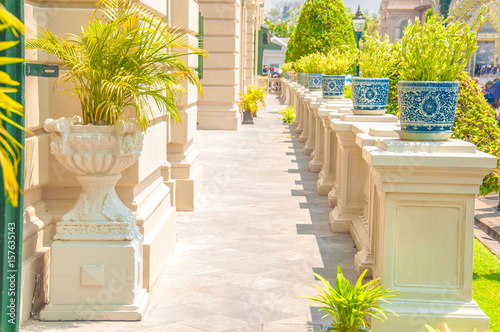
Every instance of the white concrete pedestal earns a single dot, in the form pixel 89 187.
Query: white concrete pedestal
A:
pixel 96 280
pixel 423 212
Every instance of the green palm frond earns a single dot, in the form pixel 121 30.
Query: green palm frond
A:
pixel 10 148
pixel 125 56
pixel 348 305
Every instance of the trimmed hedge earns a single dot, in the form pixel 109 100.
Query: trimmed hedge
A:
pixel 475 122
pixel 322 26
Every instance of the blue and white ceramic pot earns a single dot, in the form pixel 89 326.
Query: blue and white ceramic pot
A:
pixel 427 109
pixel 333 86
pixel 315 82
pixel 370 95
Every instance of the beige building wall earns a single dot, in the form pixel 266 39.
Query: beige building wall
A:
pixel 395 14
pixel 166 174
pixel 229 34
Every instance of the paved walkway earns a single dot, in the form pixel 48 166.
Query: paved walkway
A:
pixel 247 254
pixel 487 222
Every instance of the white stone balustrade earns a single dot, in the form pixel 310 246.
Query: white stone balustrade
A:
pixel 408 206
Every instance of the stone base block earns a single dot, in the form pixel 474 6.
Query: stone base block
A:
pixel 187 189
pixel 218 120
pixel 96 280
pixel 303 136
pixel 97 312
pixel 307 149
pixel 323 185
pixel 339 222
pixel 315 166
pixel 332 197
pixel 159 244
pixel 364 260
pixel 413 315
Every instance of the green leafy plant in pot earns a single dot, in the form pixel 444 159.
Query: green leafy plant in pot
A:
pixel 312 66
pixel 287 70
pixel 125 58
pixel 334 67
pixel 432 57
pixel 348 305
pixel 298 66
pixel 371 91
pixel 288 114
pixel 250 102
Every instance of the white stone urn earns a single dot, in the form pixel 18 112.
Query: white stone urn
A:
pixel 97 155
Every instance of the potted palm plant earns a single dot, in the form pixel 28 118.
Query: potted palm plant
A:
pixel 312 66
pixel 371 91
pixel 432 56
pixel 334 67
pixel 348 305
pixel 250 102
pixel 123 57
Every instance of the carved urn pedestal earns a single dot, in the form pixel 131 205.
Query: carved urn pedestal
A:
pixel 96 260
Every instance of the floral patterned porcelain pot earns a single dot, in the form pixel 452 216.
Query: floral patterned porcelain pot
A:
pixel 300 78
pixel 333 86
pixel 370 95
pixel 427 109
pixel 315 82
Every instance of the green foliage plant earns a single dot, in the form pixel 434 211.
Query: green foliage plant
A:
pixel 10 148
pixel 123 57
pixel 348 91
pixel 347 305
pixel 377 57
pixel 288 114
pixel 312 63
pixel 252 100
pixel 287 66
pixel 298 65
pixel 395 77
pixel 322 26
pixel 475 122
pixel 338 62
pixel 438 50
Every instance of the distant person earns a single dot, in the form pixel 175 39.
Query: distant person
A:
pixel 488 95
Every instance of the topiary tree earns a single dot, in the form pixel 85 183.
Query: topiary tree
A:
pixel 322 26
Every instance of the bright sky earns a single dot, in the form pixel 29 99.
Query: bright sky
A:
pixel 371 5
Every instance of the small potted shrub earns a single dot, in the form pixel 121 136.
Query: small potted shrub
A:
pixel 250 102
pixel 287 70
pixel 312 66
pixel 348 305
pixel 432 57
pixel 288 114
pixel 371 91
pixel 334 67
pixel 298 68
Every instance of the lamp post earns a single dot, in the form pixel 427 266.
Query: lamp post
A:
pixel 358 23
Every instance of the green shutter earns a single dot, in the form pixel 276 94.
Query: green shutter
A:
pixel 200 44
pixel 11 238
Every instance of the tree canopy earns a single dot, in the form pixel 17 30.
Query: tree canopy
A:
pixel 323 25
